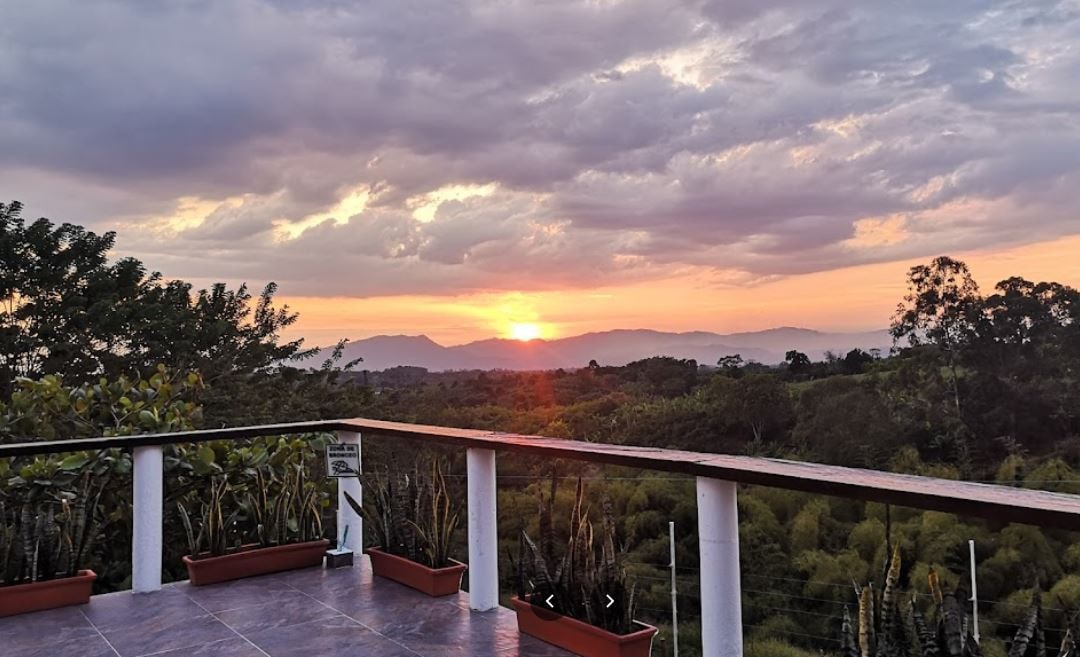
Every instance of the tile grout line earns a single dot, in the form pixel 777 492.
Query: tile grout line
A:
pixel 357 621
pixel 200 646
pixel 231 628
pixel 107 642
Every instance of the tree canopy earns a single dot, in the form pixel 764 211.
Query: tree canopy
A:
pixel 67 309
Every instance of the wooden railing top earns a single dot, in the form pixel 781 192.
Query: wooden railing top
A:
pixel 990 501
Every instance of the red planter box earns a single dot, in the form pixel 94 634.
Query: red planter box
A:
pixel 256 561
pixel 436 582
pixel 579 637
pixel 37 596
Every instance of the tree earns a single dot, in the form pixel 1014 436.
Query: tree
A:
pixel 856 361
pixel 797 362
pixel 66 309
pixel 730 362
pixel 63 307
pixel 942 309
pixel 217 331
pixel 760 402
pixel 941 306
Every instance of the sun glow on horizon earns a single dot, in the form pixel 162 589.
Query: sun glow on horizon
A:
pixel 525 331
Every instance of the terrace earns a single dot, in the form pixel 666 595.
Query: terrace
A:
pixel 302 613
pixel 347 612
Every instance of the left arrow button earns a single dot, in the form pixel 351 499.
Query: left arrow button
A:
pixel 548 601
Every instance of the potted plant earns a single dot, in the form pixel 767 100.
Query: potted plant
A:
pixel 582 601
pixel 414 524
pixel 44 547
pixel 247 533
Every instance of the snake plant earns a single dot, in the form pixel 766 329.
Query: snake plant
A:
pixel 273 510
pixel 411 513
pixel 50 538
pixel 883 629
pixel 578 582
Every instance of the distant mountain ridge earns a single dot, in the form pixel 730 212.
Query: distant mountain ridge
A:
pixel 616 347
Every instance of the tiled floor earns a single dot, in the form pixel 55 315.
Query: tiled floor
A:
pixel 305 613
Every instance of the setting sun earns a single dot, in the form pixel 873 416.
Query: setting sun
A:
pixel 524 331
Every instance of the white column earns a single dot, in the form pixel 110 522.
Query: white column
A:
pixel 721 596
pixel 147 510
pixel 483 534
pixel 346 517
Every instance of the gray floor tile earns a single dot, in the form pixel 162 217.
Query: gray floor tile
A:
pixel 92 646
pixel 167 633
pixel 449 631
pixel 121 610
pixel 329 637
pixel 238 593
pixel 235 647
pixel 55 626
pixel 287 608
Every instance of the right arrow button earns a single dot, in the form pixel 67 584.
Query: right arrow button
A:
pixel 610 601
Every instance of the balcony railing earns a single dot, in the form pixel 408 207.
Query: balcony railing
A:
pixel 717 476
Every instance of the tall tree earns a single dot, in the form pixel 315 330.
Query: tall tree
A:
pixel 66 309
pixel 942 308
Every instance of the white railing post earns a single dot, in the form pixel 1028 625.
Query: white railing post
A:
pixel 721 595
pixel 147 511
pixel 346 517
pixel 483 534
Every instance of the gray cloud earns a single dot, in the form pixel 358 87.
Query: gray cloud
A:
pixel 612 140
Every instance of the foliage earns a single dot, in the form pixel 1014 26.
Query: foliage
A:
pixel 979 387
pixel 411 514
pixel 48 408
pixel 273 506
pixel 759 401
pixel 579 582
pixel 49 538
pixel 885 627
pixel 65 309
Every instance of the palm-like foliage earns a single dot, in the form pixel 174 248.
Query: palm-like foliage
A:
pixel 588 571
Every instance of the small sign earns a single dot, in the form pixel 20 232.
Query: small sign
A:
pixel 342 460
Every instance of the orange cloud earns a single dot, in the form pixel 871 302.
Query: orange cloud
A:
pixel 854 298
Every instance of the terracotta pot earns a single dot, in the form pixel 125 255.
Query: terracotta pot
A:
pixel 579 637
pixel 36 596
pixel 254 561
pixel 435 582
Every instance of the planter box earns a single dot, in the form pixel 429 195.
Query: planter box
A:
pixel 256 561
pixel 37 596
pixel 579 637
pixel 436 582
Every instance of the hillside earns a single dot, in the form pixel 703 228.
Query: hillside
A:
pixel 616 347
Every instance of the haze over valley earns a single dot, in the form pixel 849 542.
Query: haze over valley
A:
pixel 617 347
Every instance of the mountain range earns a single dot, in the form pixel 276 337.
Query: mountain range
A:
pixel 616 347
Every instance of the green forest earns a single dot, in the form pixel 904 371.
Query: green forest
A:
pixel 982 385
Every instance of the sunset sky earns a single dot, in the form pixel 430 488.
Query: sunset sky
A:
pixel 483 167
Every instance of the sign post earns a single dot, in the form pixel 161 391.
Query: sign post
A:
pixel 343 464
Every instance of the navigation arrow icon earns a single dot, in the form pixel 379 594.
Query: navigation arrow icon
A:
pixel 610 602
pixel 548 601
